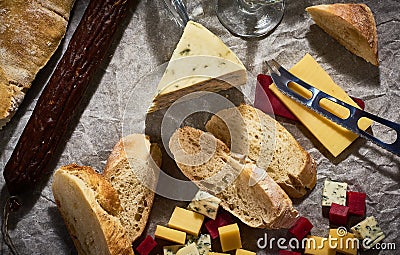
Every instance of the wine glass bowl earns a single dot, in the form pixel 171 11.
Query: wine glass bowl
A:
pixel 250 18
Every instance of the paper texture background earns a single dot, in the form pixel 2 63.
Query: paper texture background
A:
pixel 147 42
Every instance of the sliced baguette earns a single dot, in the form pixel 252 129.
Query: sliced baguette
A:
pixel 267 144
pixel 352 25
pixel 207 161
pixel 90 208
pixel 132 171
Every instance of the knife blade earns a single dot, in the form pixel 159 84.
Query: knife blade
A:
pixel 282 78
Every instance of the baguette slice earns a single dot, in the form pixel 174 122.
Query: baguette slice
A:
pixel 132 171
pixel 267 144
pixel 30 33
pixel 258 202
pixel 90 208
pixel 352 25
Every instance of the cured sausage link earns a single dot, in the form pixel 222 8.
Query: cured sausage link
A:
pixel 58 102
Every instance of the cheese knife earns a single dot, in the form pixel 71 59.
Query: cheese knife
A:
pixel 311 97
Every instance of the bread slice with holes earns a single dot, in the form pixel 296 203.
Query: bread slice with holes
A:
pixel 352 25
pixel 90 208
pixel 132 170
pixel 266 143
pixel 255 199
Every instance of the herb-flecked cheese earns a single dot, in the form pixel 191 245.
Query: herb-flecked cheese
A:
pixel 204 244
pixel 334 192
pixel 369 231
pixel 205 204
pixel 200 62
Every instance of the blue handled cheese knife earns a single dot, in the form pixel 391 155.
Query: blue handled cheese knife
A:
pixel 311 97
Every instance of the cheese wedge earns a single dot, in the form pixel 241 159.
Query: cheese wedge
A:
pixel 201 61
pixel 334 137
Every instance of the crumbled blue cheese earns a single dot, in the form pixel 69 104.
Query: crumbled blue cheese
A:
pixel 191 249
pixel 205 203
pixel 204 244
pixel 334 192
pixel 369 231
pixel 172 249
pixel 190 239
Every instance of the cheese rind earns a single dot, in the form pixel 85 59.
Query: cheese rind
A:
pixel 169 234
pixel 334 192
pixel 201 61
pixel 187 221
pixel 205 204
pixel 332 136
pixel 368 229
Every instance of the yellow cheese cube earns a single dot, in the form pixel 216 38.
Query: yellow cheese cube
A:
pixel 187 221
pixel 230 237
pixel 316 245
pixel 244 252
pixel 170 234
pixel 334 137
pixel 343 242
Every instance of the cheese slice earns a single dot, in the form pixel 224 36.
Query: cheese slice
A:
pixel 201 61
pixel 331 135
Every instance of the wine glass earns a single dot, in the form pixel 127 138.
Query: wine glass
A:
pixel 250 18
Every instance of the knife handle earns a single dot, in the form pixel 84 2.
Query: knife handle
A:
pixel 350 122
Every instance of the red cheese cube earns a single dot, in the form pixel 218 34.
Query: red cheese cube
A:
pixel 146 246
pixel 338 214
pixel 356 202
pixel 285 252
pixel 212 228
pixel 223 219
pixel 301 228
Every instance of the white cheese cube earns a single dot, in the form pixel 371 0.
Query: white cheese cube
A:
pixel 204 244
pixel 172 249
pixel 334 192
pixel 369 231
pixel 191 249
pixel 206 204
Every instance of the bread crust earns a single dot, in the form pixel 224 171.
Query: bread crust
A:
pixel 90 208
pixel 30 33
pixel 358 18
pixel 259 203
pixel 259 127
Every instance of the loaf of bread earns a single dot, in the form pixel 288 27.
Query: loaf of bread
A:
pixel 90 208
pixel 105 213
pixel 252 133
pixel 352 25
pixel 132 169
pixel 30 32
pixel 252 197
